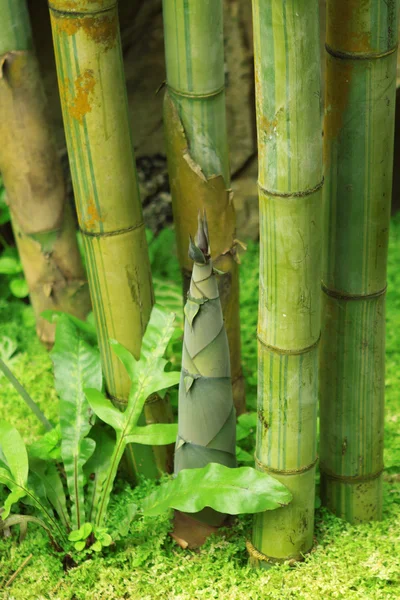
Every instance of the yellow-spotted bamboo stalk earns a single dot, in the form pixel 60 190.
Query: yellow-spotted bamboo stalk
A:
pixel 197 151
pixel 41 218
pixel 359 129
pixel 94 102
pixel 287 73
pixel 207 420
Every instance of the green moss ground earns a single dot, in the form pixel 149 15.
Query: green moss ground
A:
pixel 348 562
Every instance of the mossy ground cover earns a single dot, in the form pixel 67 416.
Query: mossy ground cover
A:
pixel 347 562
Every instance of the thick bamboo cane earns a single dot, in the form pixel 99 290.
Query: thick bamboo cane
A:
pixel 288 105
pixel 359 128
pixel 197 151
pixel 93 96
pixel 42 221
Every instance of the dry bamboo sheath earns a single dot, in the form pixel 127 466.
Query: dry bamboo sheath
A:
pixel 93 96
pixel 42 221
pixel 288 105
pixel 359 128
pixel 197 151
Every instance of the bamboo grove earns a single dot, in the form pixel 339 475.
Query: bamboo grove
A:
pixel 324 189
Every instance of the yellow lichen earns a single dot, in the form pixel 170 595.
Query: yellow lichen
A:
pixel 84 85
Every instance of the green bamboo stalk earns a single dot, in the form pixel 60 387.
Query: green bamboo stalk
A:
pixel 207 419
pixel 94 102
pixel 359 129
pixel 41 218
pixel 287 74
pixel 197 151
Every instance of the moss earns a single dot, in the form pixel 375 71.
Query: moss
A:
pixel 347 562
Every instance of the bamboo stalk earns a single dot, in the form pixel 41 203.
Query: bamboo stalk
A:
pixel 359 129
pixel 42 221
pixel 93 97
pixel 287 73
pixel 197 151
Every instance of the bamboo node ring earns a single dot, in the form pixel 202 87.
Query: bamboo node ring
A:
pixel 195 96
pixel 365 56
pixel 111 233
pixel 350 478
pixel 300 194
pixel 262 467
pixel 289 352
pixel 343 296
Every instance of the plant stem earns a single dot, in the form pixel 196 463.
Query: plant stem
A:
pixel 42 221
pixel 358 143
pixel 93 96
pixel 25 396
pixel 288 105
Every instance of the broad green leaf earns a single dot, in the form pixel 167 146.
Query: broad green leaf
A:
pixel 14 450
pixel 79 546
pixel 76 367
pixel 87 327
pixel 19 287
pixel 55 493
pixel 243 456
pixel 248 421
pixel 75 535
pixel 104 409
pixel 97 546
pixel 13 497
pixel 86 529
pixel 97 467
pixel 229 491
pixel 105 539
pixel 48 447
pixel 158 434
pixel 10 265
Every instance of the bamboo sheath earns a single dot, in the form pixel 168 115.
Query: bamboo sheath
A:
pixel 287 74
pixel 359 129
pixel 93 97
pixel 42 221
pixel 197 151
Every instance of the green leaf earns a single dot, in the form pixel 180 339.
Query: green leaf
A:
pixel 105 539
pixel 79 546
pixel 55 493
pixel 10 265
pixel 76 367
pixel 229 491
pixel 104 409
pixel 158 434
pixel 248 420
pixel 86 529
pixel 243 456
pixel 19 288
pixel 97 467
pixel 48 447
pixel 97 546
pixel 75 535
pixel 14 450
pixel 87 327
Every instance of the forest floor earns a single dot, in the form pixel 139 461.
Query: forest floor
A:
pixel 347 562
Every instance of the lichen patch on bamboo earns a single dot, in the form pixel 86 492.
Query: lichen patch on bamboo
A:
pixel 102 30
pixel 80 105
pixel 93 218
